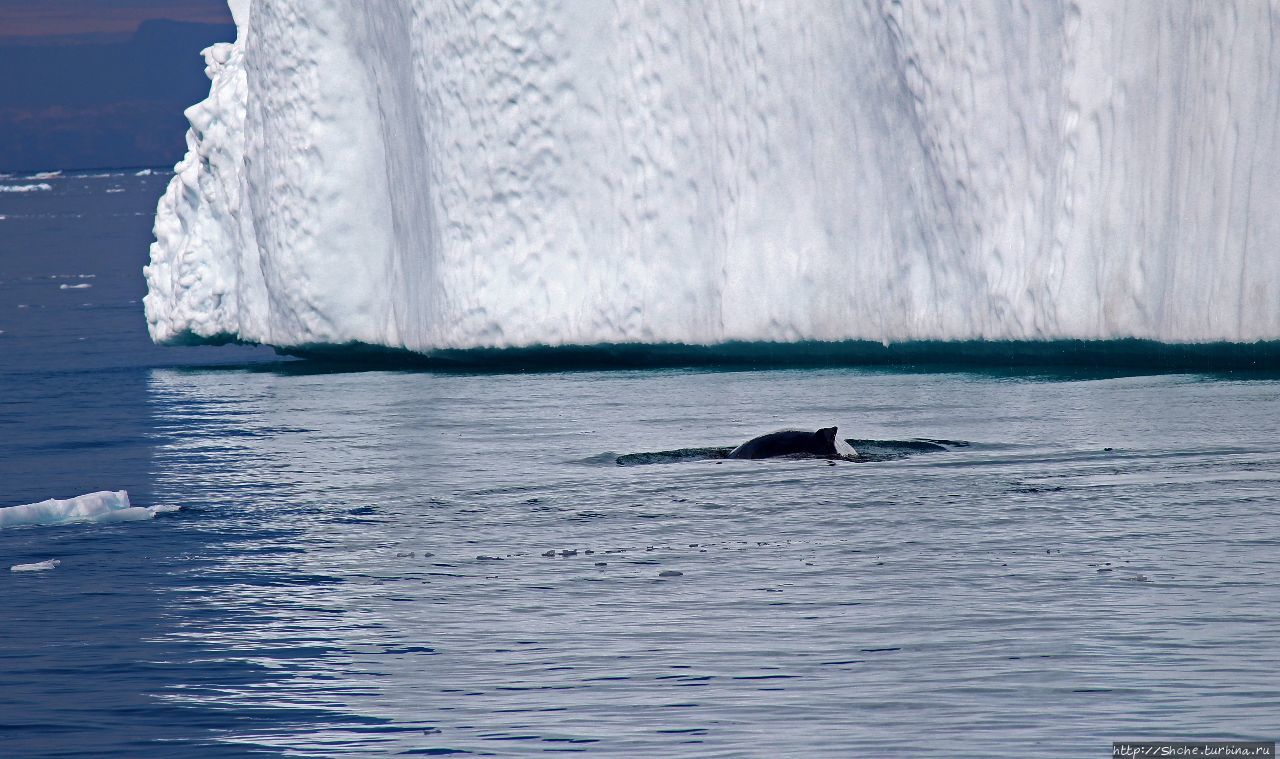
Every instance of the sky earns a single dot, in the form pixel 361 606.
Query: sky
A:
pixel 102 83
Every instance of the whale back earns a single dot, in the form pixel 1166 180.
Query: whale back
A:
pixel 823 442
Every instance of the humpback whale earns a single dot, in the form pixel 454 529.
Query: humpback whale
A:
pixel 823 444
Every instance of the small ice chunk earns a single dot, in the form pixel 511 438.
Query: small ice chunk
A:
pixel 39 566
pixel 81 286
pixel 103 506
pixel 25 187
pixel 143 173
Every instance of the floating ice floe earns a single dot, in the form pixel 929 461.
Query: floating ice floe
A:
pixel 143 173
pixel 46 175
pixel 39 566
pixel 103 506
pixel 25 187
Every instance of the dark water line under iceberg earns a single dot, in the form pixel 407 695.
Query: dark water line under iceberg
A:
pixel 1128 354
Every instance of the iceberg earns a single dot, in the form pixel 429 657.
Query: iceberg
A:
pixel 427 175
pixel 39 566
pixel 102 506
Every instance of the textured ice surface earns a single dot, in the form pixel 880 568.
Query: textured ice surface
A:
pixel 103 506
pixel 439 173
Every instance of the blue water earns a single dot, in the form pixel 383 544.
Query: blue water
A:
pixel 360 566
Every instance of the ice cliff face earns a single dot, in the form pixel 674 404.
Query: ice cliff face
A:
pixel 450 173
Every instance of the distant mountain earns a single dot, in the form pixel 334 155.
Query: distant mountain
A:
pixel 94 105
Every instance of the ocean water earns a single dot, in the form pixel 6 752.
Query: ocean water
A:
pixel 375 562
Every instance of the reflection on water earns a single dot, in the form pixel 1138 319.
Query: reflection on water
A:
pixel 416 562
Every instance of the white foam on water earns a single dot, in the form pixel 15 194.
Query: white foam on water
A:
pixel 438 173
pixel 844 449
pixel 25 187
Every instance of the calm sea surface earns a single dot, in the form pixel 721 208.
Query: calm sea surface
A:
pixel 375 563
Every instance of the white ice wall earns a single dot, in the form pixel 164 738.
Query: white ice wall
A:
pixel 455 173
